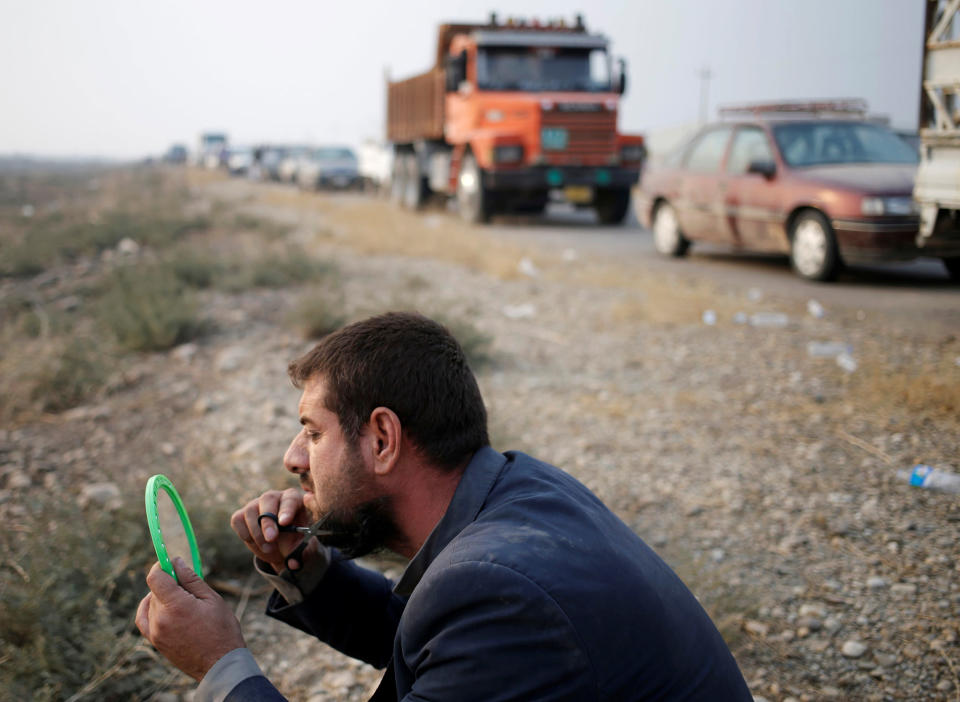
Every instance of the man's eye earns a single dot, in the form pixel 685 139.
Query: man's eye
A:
pixel 313 435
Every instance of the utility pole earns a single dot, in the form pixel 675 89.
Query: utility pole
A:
pixel 705 75
pixel 926 109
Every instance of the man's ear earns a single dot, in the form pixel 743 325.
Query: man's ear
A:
pixel 384 437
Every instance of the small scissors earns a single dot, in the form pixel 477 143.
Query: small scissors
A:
pixel 316 530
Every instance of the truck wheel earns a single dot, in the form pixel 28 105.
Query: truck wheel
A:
pixel 415 193
pixel 473 200
pixel 398 179
pixel 813 247
pixel 612 205
pixel 953 267
pixel 667 237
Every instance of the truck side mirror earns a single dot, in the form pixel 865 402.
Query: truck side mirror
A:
pixel 621 84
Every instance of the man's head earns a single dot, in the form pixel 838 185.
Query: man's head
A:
pixel 413 366
pixel 368 389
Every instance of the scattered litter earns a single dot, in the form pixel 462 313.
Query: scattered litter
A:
pixel 709 317
pixel 569 255
pixel 525 311
pixel 828 349
pixel 754 294
pixel 847 362
pixel 815 309
pixel 769 319
pixel 527 267
pixel 924 476
pixel 27 211
pixel 740 318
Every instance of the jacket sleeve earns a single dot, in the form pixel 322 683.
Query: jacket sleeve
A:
pixel 483 631
pixel 353 609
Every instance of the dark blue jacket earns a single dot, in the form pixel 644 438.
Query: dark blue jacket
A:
pixel 529 588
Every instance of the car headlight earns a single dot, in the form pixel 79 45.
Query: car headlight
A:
pixel 876 206
pixel 633 152
pixel 508 154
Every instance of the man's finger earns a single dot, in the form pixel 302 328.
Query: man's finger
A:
pixel 239 525
pixel 162 585
pixel 142 620
pixel 291 502
pixel 269 502
pixel 190 581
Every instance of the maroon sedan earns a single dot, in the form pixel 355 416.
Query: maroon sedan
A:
pixel 824 191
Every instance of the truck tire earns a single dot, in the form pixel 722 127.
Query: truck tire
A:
pixel 813 247
pixel 612 204
pixel 415 192
pixel 398 179
pixel 953 267
pixel 473 200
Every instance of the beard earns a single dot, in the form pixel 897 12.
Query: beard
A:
pixel 357 524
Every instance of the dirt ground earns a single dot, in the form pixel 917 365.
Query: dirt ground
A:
pixel 764 473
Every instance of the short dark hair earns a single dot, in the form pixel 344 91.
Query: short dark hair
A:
pixel 410 364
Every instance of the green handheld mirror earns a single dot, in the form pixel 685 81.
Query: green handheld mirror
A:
pixel 166 514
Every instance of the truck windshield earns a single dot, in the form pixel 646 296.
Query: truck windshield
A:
pixel 825 143
pixel 542 69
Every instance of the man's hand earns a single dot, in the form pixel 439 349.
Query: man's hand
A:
pixel 269 544
pixel 188 623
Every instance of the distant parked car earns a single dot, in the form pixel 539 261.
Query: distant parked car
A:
pixel 239 160
pixel 176 154
pixel 825 190
pixel 270 159
pixel 290 164
pixel 329 167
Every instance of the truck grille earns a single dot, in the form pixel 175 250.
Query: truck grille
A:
pixel 591 137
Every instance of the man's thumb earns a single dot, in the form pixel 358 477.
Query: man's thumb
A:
pixel 190 581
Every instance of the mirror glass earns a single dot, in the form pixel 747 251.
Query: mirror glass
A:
pixel 174 535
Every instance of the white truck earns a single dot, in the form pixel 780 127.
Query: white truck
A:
pixel 937 186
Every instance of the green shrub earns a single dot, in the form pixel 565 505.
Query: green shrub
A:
pixel 476 345
pixel 148 309
pixel 277 271
pixel 316 313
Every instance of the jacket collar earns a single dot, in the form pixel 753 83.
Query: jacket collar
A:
pixel 468 499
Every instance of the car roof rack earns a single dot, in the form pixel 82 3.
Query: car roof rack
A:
pixel 846 108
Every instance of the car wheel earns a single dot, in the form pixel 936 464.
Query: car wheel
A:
pixel 667 237
pixel 953 267
pixel 612 205
pixel 473 200
pixel 813 247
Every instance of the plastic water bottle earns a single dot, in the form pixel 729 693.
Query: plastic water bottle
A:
pixel 925 476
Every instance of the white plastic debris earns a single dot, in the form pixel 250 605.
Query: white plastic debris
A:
pixel 827 349
pixel 524 311
pixel 740 318
pixel 569 255
pixel 847 362
pixel 754 294
pixel 769 319
pixel 709 317
pixel 815 309
pixel 527 267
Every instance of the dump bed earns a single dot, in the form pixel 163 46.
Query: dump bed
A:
pixel 415 107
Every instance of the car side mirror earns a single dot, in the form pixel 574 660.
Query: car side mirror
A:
pixel 456 72
pixel 621 83
pixel 768 169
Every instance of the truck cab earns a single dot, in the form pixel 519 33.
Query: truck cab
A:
pixel 520 113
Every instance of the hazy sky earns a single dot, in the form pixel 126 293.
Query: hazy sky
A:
pixel 129 77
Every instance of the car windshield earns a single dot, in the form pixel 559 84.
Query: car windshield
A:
pixel 334 154
pixel 825 143
pixel 540 69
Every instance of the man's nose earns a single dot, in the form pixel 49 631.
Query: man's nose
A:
pixel 296 459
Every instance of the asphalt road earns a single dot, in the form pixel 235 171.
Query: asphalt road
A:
pixel 921 286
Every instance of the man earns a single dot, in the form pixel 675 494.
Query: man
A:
pixel 522 585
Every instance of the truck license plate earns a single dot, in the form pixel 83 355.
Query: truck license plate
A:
pixel 578 194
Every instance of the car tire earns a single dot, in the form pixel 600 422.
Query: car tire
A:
pixel 813 247
pixel 953 267
pixel 667 237
pixel 612 205
pixel 473 199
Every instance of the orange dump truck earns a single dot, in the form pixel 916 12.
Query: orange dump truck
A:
pixel 511 116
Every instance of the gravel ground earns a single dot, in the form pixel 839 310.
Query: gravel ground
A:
pixel 765 476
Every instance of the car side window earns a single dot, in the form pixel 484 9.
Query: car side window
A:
pixel 706 154
pixel 749 144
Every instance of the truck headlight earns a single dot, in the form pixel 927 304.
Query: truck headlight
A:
pixel 512 153
pixel 632 152
pixel 875 206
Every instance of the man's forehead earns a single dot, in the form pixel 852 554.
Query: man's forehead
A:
pixel 312 399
